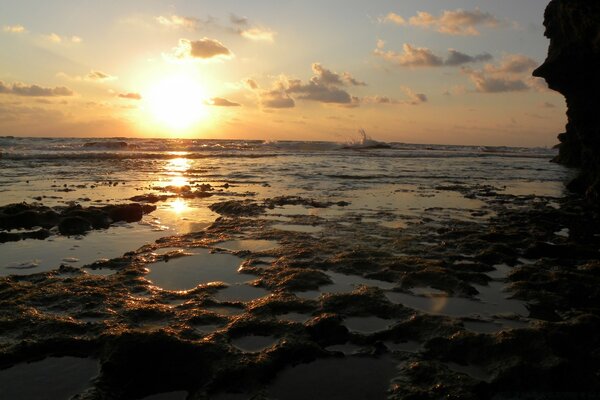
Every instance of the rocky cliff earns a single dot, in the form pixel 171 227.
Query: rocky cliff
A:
pixel 573 69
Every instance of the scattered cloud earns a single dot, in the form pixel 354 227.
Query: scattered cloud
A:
pixel 178 22
pixel 251 84
pixel 239 21
pixel 415 98
pixel 393 18
pixel 259 34
pixel 14 29
pixel 130 96
pixel 455 22
pixel 221 102
pixel 513 64
pixel 412 56
pixel 457 58
pixel 203 49
pixel 21 89
pixel 511 74
pixel 242 26
pixel 487 84
pixel 325 86
pixel 55 38
pixel 276 98
pixel 380 100
pixel 93 76
pixel 99 76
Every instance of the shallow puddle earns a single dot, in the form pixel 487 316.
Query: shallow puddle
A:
pixel 187 272
pixel 367 325
pixel 348 378
pixel 225 310
pixel 253 343
pixel 409 346
pixel 472 370
pixel 294 317
pixel 346 348
pixel 249 245
pixel 32 256
pixel 241 293
pixel 99 271
pixel 493 302
pixel 50 378
pixel 343 283
pixel 207 329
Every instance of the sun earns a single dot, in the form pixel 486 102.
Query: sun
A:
pixel 176 102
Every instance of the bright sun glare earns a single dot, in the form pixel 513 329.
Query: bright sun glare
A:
pixel 177 102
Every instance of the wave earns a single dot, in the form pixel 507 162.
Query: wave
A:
pixel 14 148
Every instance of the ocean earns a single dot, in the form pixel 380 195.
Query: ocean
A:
pixel 392 186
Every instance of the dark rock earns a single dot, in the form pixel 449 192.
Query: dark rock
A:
pixel 74 226
pixel 129 213
pixel 237 208
pixel 572 69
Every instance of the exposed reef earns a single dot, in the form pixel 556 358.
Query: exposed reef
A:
pixel 72 220
pixel 572 69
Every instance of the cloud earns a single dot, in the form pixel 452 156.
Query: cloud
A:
pixel 221 102
pixel 14 29
pixel 379 100
pixel 243 28
pixel 130 96
pixel 457 22
pixel 93 76
pixel 177 22
pixel 457 58
pixel 325 86
pixel 203 49
pixel 487 84
pixel 276 98
pixel 414 98
pixel 251 84
pixel 412 56
pixel 393 18
pixel 328 77
pixel 259 34
pixel 99 76
pixel 513 64
pixel 21 89
pixel 55 38
pixel 239 21
pixel 511 74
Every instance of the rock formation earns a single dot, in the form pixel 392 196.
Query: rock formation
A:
pixel 573 69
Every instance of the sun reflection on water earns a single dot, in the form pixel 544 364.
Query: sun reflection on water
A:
pixel 180 164
pixel 179 206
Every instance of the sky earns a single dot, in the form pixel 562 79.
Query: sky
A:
pixel 415 71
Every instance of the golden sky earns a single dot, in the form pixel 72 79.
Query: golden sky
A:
pixel 452 72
